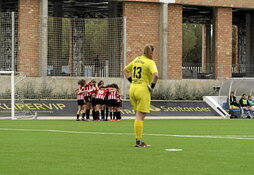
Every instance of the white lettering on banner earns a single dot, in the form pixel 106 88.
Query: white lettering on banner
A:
pixel 34 106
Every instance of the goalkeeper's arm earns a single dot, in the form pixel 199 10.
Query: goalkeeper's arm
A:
pixel 127 75
pixel 154 81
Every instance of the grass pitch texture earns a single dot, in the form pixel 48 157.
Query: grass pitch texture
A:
pixel 50 147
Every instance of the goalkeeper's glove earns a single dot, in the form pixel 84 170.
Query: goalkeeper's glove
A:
pixel 151 87
pixel 129 79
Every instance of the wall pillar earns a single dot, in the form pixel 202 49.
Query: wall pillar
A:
pixel 28 52
pixel 174 42
pixel 235 58
pixel 44 38
pixel 209 49
pixel 223 43
pixel 204 48
pixel 163 41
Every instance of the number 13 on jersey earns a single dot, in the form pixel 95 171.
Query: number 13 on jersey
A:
pixel 137 72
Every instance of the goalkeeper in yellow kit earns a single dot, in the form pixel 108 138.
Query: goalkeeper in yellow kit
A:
pixel 143 75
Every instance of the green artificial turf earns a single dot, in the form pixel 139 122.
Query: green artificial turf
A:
pixel 64 147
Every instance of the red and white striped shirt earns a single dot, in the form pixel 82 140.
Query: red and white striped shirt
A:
pixel 112 95
pixel 101 93
pixel 80 95
pixel 88 88
pixel 93 92
pixel 118 97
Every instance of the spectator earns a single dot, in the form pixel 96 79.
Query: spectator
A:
pixel 232 101
pixel 245 106
pixel 251 102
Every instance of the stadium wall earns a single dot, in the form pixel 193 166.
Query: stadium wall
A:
pixel 63 87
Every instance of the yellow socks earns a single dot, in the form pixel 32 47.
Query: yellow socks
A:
pixel 138 128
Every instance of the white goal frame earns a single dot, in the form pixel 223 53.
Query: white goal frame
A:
pixel 13 99
pixel 12 73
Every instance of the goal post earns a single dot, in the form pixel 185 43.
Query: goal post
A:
pixel 12 83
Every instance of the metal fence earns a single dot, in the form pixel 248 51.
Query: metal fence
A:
pixel 75 46
pixel 198 71
pixel 242 70
pixel 85 47
pixel 8 40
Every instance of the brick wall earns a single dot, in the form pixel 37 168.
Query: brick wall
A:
pixel 223 42
pixel 220 3
pixel 28 52
pixel 143 27
pixel 174 41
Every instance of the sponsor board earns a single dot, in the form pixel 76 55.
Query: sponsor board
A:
pixel 69 108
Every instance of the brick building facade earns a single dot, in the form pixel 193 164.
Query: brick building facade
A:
pixel 151 21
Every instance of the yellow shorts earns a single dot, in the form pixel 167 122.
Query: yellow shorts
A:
pixel 140 98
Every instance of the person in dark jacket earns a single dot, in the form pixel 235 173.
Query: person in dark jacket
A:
pixel 232 101
pixel 245 106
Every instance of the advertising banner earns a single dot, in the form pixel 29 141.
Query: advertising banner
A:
pixel 64 108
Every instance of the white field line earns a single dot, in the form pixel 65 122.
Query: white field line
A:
pixel 233 137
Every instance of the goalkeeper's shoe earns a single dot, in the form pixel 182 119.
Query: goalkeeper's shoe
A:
pixel 142 144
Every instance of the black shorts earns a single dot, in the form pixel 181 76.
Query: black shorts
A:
pixel 93 101
pixel 111 102
pixel 81 102
pixel 118 104
pixel 99 101
pixel 87 99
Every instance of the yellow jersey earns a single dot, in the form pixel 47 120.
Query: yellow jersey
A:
pixel 142 69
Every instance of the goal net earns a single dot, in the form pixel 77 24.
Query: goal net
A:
pixel 12 104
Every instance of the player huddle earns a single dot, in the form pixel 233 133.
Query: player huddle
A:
pixel 104 101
